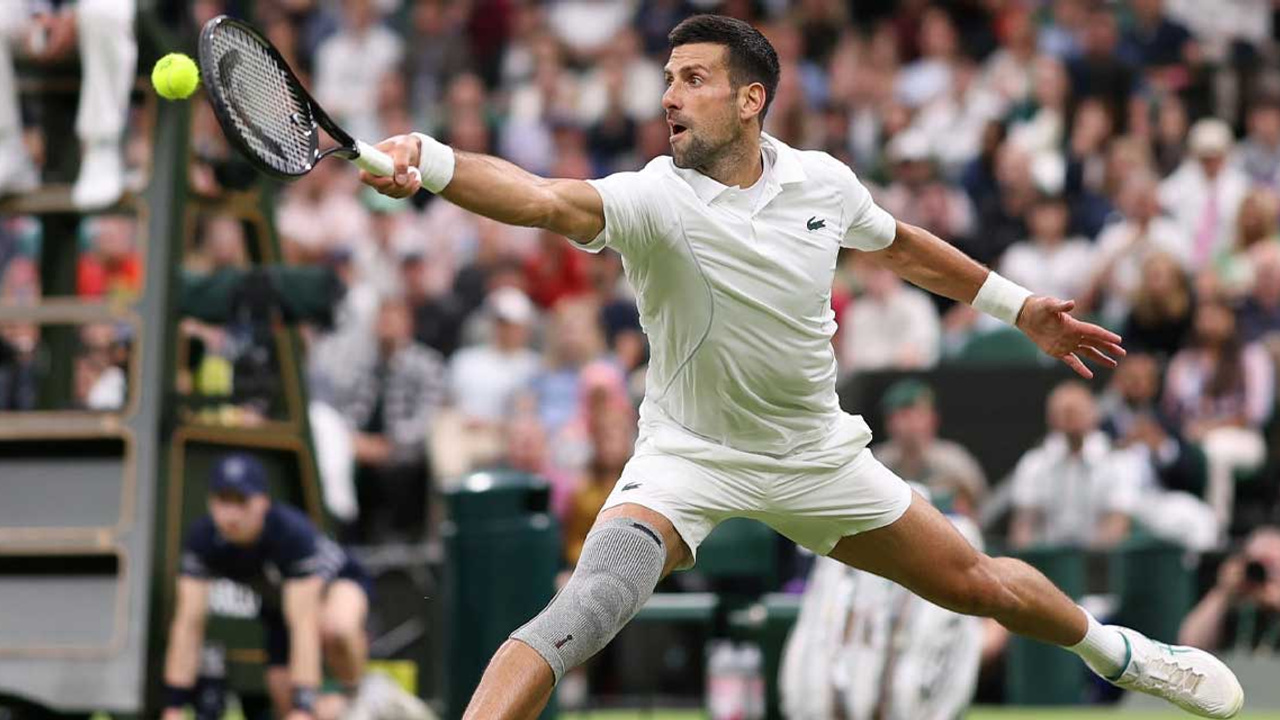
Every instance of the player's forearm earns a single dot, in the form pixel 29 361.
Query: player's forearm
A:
pixel 304 653
pixel 500 190
pixel 302 614
pixel 182 661
pixel 925 260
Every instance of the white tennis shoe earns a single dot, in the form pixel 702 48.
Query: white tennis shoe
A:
pixel 1190 678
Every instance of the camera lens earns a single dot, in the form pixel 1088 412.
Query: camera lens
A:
pixel 1255 572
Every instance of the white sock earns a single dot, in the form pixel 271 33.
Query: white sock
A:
pixel 1103 648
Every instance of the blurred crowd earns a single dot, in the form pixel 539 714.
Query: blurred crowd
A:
pixel 1124 154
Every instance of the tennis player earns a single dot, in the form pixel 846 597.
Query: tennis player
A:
pixel 731 244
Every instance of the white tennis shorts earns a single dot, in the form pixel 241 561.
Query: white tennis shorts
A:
pixel 815 496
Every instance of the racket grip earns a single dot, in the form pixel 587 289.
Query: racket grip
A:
pixel 376 162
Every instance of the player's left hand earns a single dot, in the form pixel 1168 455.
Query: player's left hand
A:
pixel 1048 322
pixel 299 715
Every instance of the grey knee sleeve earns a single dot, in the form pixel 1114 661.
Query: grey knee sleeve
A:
pixel 620 564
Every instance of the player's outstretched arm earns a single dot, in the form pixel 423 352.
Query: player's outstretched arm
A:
pixel 186 637
pixel 301 598
pixel 491 187
pixel 922 258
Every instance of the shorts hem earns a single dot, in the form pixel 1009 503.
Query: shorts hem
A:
pixel 672 517
pixel 880 522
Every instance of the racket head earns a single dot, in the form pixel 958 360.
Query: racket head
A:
pixel 262 107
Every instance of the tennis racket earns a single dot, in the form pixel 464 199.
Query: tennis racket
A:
pixel 264 110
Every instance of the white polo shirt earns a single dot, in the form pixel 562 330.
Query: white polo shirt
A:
pixel 737 303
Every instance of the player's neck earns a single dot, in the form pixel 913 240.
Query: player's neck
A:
pixel 740 166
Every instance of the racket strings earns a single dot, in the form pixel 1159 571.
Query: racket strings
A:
pixel 261 100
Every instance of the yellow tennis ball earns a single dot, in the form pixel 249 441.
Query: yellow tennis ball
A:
pixel 175 76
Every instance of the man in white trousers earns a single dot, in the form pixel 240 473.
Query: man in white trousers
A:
pixel 103 31
pixel 731 245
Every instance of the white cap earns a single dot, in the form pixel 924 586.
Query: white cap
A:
pixel 511 305
pixel 1210 136
pixel 909 146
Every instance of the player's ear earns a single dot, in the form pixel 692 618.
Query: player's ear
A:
pixel 751 98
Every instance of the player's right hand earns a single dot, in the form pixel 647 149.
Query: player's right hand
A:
pixel 173 714
pixel 403 150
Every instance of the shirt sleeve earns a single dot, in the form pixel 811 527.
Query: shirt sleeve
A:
pixel 196 549
pixel 870 227
pixel 1026 487
pixel 632 212
pixel 302 551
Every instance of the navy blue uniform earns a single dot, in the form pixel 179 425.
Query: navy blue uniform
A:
pixel 289 548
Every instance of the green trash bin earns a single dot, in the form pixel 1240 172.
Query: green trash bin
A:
pixel 1041 674
pixel 1153 581
pixel 502 552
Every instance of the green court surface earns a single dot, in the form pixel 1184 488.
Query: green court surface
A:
pixel 978 714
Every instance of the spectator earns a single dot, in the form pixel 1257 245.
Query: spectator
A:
pixel 918 196
pixel 1158 43
pixel 1260 151
pixel 611 445
pixel 1204 194
pixel 484 380
pixel 1074 488
pixel 1100 70
pixel 112 268
pixel 20 371
pixel 1256 226
pixel 1049 262
pixel 1242 610
pixel 350 66
pixel 103 32
pixel 320 212
pixel 1132 417
pixel 890 325
pixel 100 384
pixel 916 454
pixel 1124 246
pixel 437 315
pixel 555 272
pixel 1159 318
pixel 438 51
pixel 485 383
pixel 1259 314
pixel 573 341
pixel 390 396
pixel 1219 391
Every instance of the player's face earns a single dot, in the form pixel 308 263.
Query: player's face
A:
pixel 700 103
pixel 238 518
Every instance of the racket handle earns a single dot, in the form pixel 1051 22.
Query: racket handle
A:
pixel 376 162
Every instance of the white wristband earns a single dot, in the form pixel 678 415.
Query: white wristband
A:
pixel 1000 298
pixel 435 162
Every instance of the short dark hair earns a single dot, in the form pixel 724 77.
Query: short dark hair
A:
pixel 751 56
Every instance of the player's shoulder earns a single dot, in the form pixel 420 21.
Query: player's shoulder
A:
pixel 201 537
pixel 823 166
pixel 289 521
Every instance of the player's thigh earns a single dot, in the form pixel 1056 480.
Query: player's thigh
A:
pixel 280 688
pixel 922 551
pixel 678 553
pixel 346 607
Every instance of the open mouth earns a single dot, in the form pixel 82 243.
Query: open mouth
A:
pixel 677 130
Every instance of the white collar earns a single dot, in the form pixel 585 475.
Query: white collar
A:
pixel 786 170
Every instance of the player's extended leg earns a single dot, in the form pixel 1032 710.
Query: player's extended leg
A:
pixel 923 552
pixel 343 637
pixel 343 642
pixel 628 550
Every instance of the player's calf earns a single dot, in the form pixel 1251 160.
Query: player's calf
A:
pixel 622 561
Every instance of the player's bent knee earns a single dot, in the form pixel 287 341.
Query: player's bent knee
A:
pixel 620 564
